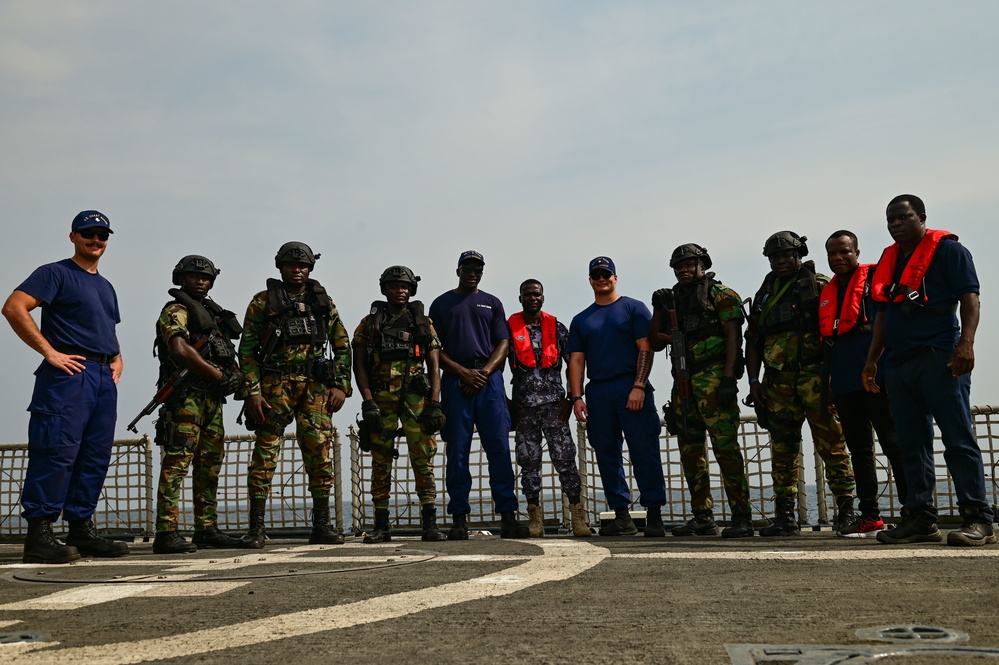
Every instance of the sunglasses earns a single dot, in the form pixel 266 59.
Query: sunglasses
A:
pixel 476 270
pixel 89 234
pixel 601 274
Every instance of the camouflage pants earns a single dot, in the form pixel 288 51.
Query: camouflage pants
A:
pixel 422 448
pixel 533 422
pixel 793 397
pixel 198 436
pixel 705 416
pixel 305 403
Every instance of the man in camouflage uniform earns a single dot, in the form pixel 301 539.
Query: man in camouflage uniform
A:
pixel 295 354
pixel 784 335
pixel 391 345
pixel 539 348
pixel 709 316
pixel 193 336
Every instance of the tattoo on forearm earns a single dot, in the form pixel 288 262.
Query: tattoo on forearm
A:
pixel 644 366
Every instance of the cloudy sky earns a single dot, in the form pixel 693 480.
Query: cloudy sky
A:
pixel 540 133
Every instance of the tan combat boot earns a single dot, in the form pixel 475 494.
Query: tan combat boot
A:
pixel 536 526
pixel 580 528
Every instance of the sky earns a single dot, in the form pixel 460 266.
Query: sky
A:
pixel 539 133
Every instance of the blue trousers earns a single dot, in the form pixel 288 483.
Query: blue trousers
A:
pixel 487 412
pixel 70 433
pixel 920 390
pixel 608 417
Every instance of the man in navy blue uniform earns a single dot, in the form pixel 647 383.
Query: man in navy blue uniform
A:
pixel 845 315
pixel 74 403
pixel 920 282
pixel 472 328
pixel 609 340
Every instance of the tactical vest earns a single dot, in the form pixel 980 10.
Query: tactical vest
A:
pixel 696 310
pixel 797 308
pixel 205 319
pixel 398 337
pixel 297 322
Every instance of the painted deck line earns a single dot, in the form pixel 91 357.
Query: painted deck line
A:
pixel 560 561
pixel 865 554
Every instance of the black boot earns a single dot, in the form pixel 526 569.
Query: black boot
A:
pixel 622 525
pixel 322 532
pixel 701 524
pixel 976 530
pixel 511 528
pixel 382 532
pixel 458 531
pixel 913 528
pixel 785 523
pixel 84 537
pixel 844 513
pixel 41 545
pixel 171 542
pixel 255 535
pixel 654 522
pixel 431 534
pixel 211 536
pixel 741 526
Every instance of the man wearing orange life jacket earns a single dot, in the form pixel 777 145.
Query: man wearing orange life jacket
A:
pixel 845 315
pixel 919 283
pixel 538 353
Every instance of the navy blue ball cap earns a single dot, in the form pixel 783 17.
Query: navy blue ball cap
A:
pixel 470 255
pixel 89 219
pixel 603 263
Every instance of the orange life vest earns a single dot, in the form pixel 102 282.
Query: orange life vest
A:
pixel 914 271
pixel 853 301
pixel 522 341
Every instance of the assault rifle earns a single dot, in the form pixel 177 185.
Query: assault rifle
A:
pixel 168 388
pixel 681 373
pixel 762 418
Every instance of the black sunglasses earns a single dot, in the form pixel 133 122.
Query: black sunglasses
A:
pixel 477 270
pixel 89 234
pixel 601 274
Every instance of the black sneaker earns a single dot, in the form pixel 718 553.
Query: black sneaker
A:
pixel 913 528
pixel 701 524
pixel 975 531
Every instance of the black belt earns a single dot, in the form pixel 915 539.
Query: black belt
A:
pixel 478 363
pixel 99 358
pixel 796 366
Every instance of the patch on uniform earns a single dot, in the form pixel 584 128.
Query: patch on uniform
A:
pixel 824 302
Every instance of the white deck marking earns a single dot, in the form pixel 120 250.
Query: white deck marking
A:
pixel 561 560
pixel 865 554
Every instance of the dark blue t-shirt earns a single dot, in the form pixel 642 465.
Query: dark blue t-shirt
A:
pixel 79 309
pixel 607 335
pixel 469 326
pixel 950 275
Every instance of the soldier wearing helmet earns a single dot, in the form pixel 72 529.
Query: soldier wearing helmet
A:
pixel 784 339
pixel 194 334
pixel 295 354
pixel 397 368
pixel 708 319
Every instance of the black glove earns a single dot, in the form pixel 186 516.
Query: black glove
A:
pixel 230 381
pixel 372 416
pixel 662 299
pixel 433 417
pixel 727 393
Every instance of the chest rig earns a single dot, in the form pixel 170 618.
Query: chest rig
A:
pixel 401 337
pixel 794 306
pixel 205 319
pixel 297 321
pixel 696 309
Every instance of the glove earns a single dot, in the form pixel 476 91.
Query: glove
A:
pixel 372 416
pixel 727 393
pixel 433 417
pixel 662 299
pixel 230 381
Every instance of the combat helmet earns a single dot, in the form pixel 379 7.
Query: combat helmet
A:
pixel 398 274
pixel 197 264
pixel 296 252
pixel 690 251
pixel 783 241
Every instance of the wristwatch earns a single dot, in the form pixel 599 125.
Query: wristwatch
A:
pixel 575 399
